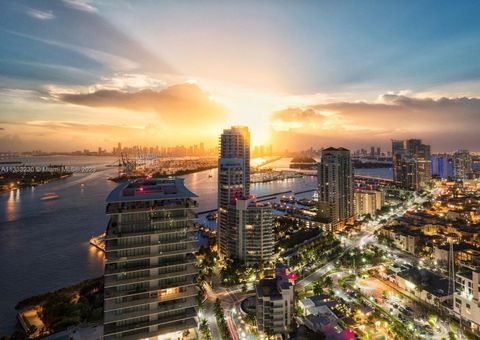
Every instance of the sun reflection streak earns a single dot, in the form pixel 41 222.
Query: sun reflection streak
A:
pixel 11 204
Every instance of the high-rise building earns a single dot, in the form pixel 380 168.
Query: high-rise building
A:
pixel 335 186
pixel 442 166
pixel 245 228
pixel 233 183
pixel 150 273
pixel 368 202
pixel 254 224
pixel 411 163
pixel 462 164
pixel 398 150
pixel 275 304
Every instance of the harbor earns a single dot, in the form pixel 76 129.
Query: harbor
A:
pixel 55 234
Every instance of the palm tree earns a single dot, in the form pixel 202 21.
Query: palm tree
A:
pixel 206 335
pixel 317 288
pixel 328 281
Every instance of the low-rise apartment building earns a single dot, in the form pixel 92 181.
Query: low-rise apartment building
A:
pixel 425 285
pixel 367 202
pixel 467 297
pixel 402 238
pixel 275 303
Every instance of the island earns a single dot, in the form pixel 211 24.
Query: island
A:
pixel 20 176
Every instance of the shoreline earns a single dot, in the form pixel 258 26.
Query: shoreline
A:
pixel 18 186
pixel 119 179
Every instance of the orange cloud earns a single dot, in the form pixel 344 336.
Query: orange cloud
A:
pixel 295 114
pixel 446 123
pixel 182 103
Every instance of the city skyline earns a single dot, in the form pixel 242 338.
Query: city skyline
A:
pixel 306 73
pixel 254 170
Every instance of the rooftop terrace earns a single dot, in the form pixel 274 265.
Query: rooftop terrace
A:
pixel 150 189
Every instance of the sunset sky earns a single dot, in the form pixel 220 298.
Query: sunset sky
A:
pixel 82 74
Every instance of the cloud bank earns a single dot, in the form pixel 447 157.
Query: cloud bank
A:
pixel 446 123
pixel 178 103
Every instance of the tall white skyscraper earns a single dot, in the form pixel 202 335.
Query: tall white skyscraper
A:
pixel 233 183
pixel 335 186
pixel 245 228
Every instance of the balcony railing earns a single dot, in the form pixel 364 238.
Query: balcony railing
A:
pixel 112 245
pixel 188 259
pixel 174 306
pixel 112 328
pixel 112 292
pixel 112 281
pixel 118 208
pixel 163 329
pixel 189 248
pixel 111 304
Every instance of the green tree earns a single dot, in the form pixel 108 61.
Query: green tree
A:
pixel 317 288
pixel 205 330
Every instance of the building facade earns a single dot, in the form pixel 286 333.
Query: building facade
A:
pixel 442 166
pixel 245 228
pixel 233 183
pixel 462 164
pixel 150 273
pixel 411 163
pixel 467 297
pixel 368 202
pixel 335 186
pixel 275 304
pixel 254 223
pixel 402 238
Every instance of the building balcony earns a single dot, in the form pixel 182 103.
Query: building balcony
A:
pixel 161 330
pixel 112 281
pixel 112 292
pixel 189 259
pixel 189 248
pixel 163 308
pixel 111 328
pixel 116 208
pixel 113 231
pixel 111 304
pixel 112 245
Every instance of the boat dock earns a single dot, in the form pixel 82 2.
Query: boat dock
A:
pixel 98 242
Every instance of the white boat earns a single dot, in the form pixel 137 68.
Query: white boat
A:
pixel 49 196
